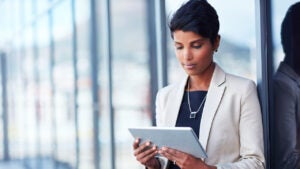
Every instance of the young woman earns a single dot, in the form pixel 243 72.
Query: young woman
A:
pixel 222 109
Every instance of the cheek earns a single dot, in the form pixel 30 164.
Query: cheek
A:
pixel 204 54
pixel 178 55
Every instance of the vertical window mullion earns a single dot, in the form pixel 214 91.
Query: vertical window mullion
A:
pixel 94 77
pixel 264 66
pixel 4 107
pixel 157 48
pixel 74 46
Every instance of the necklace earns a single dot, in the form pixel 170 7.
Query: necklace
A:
pixel 193 113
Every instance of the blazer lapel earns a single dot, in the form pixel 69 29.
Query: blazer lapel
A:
pixel 213 99
pixel 174 104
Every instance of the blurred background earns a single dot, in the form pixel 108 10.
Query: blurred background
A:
pixel 75 74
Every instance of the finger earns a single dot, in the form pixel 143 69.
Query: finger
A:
pixel 143 147
pixel 147 155
pixel 169 154
pixel 172 155
pixel 171 151
pixel 143 157
pixel 136 143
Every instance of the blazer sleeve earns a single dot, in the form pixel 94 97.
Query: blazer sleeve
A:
pixel 251 133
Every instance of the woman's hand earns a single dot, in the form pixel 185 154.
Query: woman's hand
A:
pixel 184 160
pixel 145 154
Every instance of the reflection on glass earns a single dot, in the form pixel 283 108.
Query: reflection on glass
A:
pixel 284 117
pixel 279 9
pixel 236 54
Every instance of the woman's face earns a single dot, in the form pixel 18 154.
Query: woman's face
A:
pixel 194 52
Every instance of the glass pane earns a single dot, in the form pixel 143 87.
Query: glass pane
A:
pixel 85 109
pixel 238 43
pixel 64 84
pixel 19 79
pixel 131 78
pixel 42 5
pixel 16 15
pixel 29 96
pixel 6 26
pixel 236 53
pixel 28 11
pixel 44 95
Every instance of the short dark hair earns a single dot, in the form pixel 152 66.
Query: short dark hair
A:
pixel 197 16
pixel 290 29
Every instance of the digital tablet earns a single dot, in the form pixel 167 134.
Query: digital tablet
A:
pixel 180 138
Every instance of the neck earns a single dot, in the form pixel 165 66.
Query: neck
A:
pixel 202 81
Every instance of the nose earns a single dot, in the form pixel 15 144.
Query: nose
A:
pixel 187 54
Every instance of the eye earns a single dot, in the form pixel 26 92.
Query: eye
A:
pixel 178 47
pixel 197 46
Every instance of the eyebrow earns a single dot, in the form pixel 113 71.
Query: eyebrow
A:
pixel 195 41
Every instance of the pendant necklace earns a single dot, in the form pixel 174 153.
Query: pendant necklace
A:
pixel 193 113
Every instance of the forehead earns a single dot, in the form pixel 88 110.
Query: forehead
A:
pixel 186 36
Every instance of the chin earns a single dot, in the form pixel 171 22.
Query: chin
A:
pixel 191 72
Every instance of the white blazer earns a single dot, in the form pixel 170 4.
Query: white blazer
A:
pixel 231 126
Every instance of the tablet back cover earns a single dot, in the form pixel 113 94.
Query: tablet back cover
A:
pixel 180 138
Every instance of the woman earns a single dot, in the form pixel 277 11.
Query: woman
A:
pixel 221 108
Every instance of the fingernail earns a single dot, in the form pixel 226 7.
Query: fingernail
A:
pixel 148 143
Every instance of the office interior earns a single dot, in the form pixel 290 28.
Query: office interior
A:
pixel 76 74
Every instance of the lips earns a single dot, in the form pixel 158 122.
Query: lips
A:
pixel 189 66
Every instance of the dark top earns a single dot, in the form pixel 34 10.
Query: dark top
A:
pixel 184 120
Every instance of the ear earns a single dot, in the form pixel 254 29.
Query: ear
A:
pixel 217 43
